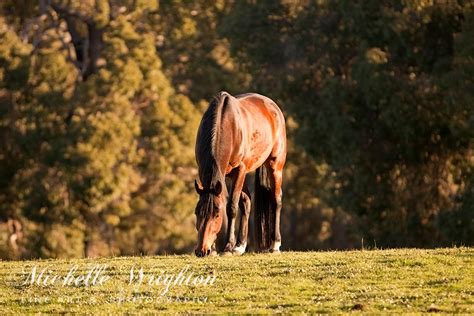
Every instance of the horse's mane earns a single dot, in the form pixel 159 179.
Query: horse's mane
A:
pixel 209 138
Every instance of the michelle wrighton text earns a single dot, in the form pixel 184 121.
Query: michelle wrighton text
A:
pixel 98 275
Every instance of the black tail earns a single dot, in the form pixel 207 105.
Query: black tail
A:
pixel 263 209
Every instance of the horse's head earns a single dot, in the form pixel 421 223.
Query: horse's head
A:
pixel 209 216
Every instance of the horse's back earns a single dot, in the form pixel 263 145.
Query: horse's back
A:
pixel 256 105
pixel 265 127
pixel 259 100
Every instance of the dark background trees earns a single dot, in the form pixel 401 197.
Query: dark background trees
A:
pixel 100 101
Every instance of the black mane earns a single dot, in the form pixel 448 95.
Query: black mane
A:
pixel 207 153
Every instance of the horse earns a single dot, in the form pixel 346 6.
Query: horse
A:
pixel 238 135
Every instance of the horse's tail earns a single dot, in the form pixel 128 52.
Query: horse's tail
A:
pixel 263 209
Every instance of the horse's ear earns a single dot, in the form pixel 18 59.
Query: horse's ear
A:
pixel 218 188
pixel 198 187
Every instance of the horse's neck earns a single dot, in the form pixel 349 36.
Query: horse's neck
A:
pixel 225 133
pixel 230 132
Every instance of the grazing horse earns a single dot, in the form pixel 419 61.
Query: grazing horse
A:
pixel 238 135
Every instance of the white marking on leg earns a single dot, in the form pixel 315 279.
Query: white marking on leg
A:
pixel 240 249
pixel 276 246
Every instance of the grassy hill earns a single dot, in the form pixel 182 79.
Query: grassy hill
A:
pixel 402 280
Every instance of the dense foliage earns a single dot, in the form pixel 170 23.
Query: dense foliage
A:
pixel 100 101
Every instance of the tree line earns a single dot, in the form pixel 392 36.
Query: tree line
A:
pixel 100 102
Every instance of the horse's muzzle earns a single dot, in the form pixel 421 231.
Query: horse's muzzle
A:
pixel 202 253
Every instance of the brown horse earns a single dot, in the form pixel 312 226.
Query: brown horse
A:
pixel 238 135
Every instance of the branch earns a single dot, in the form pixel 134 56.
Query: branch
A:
pixel 92 45
pixel 67 11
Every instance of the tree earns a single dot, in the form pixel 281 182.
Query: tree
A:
pixel 99 129
pixel 363 83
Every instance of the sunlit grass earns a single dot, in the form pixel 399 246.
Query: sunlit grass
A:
pixel 403 280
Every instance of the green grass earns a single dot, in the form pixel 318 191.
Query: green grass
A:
pixel 402 280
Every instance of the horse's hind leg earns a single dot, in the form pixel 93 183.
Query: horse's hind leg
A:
pixel 245 206
pixel 276 176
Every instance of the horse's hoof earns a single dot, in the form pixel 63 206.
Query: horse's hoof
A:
pixel 239 250
pixel 227 253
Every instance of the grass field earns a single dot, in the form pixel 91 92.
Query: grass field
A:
pixel 403 280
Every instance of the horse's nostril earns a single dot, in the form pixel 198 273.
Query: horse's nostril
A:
pixel 208 252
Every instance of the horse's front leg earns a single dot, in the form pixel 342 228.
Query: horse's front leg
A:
pixel 245 205
pixel 233 209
